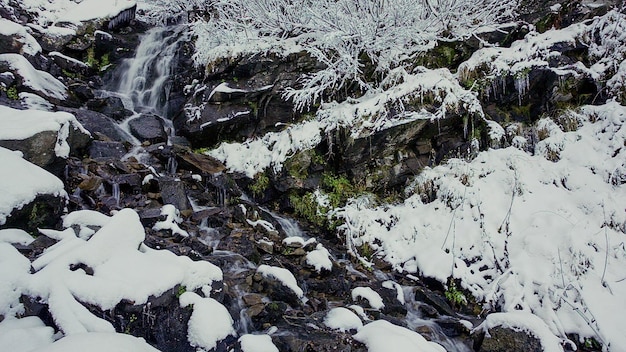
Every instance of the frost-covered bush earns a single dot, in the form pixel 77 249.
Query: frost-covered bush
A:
pixel 358 42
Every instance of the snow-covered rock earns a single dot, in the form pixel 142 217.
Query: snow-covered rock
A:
pixel 21 184
pixel 41 135
pixel 14 38
pixel 29 78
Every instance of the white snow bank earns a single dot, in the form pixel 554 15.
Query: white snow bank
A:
pixel 342 319
pixel 123 269
pixel 21 182
pixel 25 334
pixel 283 275
pixel 92 9
pixel 30 46
pixel 525 322
pixel 382 336
pixel 39 81
pixel 21 124
pixel 32 101
pixel 257 343
pixel 210 321
pixel 319 258
pixel 98 342
pixel 13 267
pixel 371 296
pixel 519 231
pixel 254 156
pixel 16 236
pixel 172 219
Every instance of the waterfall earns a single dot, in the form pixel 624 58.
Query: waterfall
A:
pixel 146 79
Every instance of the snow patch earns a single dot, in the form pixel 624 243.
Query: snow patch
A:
pixel 210 321
pixel 342 319
pixel 283 275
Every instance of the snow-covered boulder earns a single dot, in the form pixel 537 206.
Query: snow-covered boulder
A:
pixel 31 196
pixel 44 137
pixel 14 38
pixel 32 80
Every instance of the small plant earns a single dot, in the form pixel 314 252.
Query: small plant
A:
pixel 131 320
pixel 260 184
pixel 12 93
pixel 181 289
pixel 455 296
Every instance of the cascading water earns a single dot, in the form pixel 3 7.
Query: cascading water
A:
pixel 146 80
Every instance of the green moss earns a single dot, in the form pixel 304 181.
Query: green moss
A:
pixel 523 111
pixel 131 320
pixel 339 189
pixel 260 184
pixel 97 63
pixel 12 93
pixel 69 74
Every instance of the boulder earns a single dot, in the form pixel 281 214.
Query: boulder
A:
pixel 148 128
pixel 45 138
pixel 31 196
pixel 173 192
pixel 107 149
pixel 501 339
pixel 15 39
pixel 99 125
pixel 31 80
pixel 113 107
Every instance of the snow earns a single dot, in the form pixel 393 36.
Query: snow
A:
pixel 78 63
pixel 39 81
pixel 98 342
pixel 371 296
pixel 15 236
pixel 34 102
pixel 319 258
pixel 342 319
pixel 30 46
pixel 22 182
pixel 382 336
pixel 210 321
pixel 283 275
pixel 172 219
pixel 92 9
pixel 272 150
pixel 520 231
pixel 21 124
pixel 257 343
pixel 123 269
pixel 25 334
pixel 525 322
pixel 291 240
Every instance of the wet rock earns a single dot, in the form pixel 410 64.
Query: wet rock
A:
pixel 81 91
pixel 173 192
pixel 100 126
pixel 102 149
pixel 148 128
pixel 112 107
pixel 435 300
pixel 500 339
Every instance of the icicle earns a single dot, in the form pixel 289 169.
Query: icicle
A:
pixel 521 84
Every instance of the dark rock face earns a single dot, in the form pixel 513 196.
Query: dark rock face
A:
pixel 148 128
pixel 500 339
pixel 107 149
pixel 243 98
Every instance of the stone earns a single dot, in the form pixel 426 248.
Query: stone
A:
pixel 107 149
pixel 100 126
pixel 113 107
pixel 501 339
pixel 173 192
pixel 436 301
pixel 148 127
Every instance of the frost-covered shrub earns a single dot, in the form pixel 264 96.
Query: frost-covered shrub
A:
pixel 358 42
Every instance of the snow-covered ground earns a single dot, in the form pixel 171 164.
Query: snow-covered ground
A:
pixel 540 233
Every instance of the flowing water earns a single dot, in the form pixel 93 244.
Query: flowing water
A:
pixel 144 86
